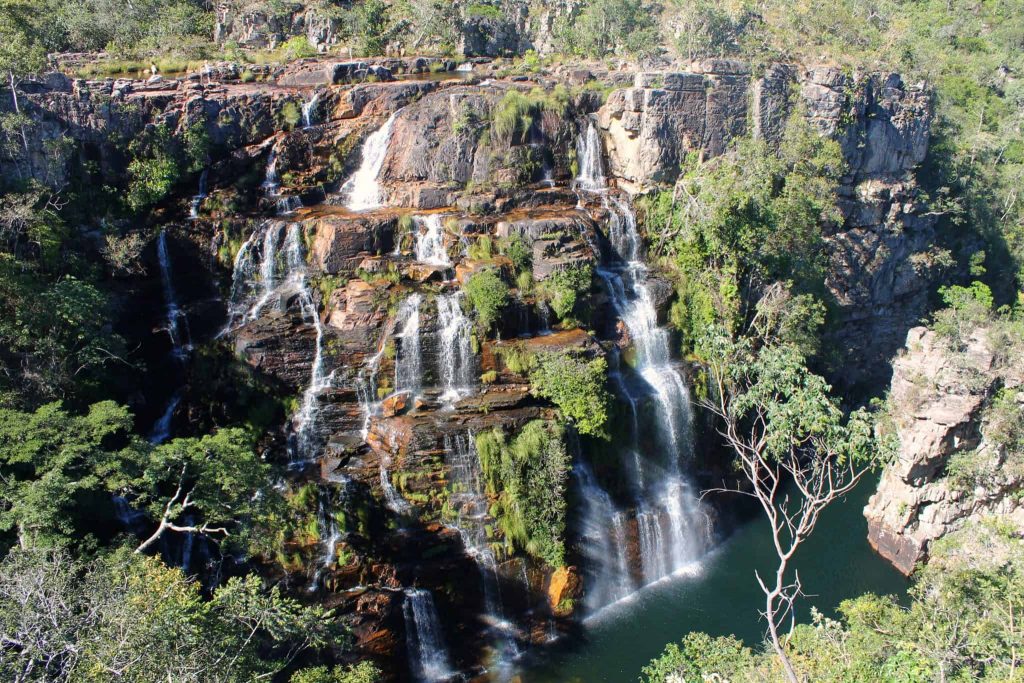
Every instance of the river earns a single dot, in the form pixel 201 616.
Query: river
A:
pixel 836 563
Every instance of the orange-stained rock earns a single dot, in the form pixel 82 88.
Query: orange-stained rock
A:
pixel 563 586
pixel 394 404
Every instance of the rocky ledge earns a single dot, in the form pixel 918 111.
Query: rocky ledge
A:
pixel 951 468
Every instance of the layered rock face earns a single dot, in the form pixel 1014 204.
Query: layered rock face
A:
pixel 882 255
pixel 939 397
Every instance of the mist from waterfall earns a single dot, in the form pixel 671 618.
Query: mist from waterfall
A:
pixel 425 642
pixel 362 191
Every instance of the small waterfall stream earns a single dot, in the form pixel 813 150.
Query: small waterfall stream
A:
pixel 428 654
pixel 471 509
pixel 197 199
pixel 456 347
pixel 590 159
pixel 430 247
pixel 179 333
pixel 408 356
pixel 362 191
pixel 309 109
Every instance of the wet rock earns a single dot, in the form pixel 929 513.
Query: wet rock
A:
pixel 342 240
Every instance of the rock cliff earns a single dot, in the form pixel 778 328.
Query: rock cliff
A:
pixel 953 466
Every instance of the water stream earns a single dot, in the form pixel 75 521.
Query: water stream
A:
pixel 430 244
pixel 428 654
pixel 179 333
pixel 456 349
pixel 309 109
pixel 362 191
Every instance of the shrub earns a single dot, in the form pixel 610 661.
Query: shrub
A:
pixel 516 358
pixel 518 252
pixel 488 294
pixel 482 249
pixel 564 286
pixel 577 386
pixel 528 477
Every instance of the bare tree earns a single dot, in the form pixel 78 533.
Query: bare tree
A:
pixel 797 450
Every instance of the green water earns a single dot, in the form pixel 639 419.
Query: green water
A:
pixel 836 563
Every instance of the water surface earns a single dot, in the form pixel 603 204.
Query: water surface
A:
pixel 722 597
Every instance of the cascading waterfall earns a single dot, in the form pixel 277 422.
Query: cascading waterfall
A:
pixel 177 330
pixel 428 654
pixel 197 200
pixel 362 191
pixel 671 528
pixel 456 348
pixel 430 247
pixel 392 499
pixel 408 358
pixel 609 579
pixel 271 182
pixel 309 109
pixel 470 504
pixel 589 159
pixel 304 424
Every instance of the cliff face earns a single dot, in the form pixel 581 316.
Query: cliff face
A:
pixel 950 469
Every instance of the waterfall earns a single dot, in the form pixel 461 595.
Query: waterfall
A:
pixel 197 200
pixel 589 159
pixel 161 430
pixel 362 191
pixel 177 323
pixel 428 655
pixel 430 246
pixel 609 579
pixel 456 349
pixel 271 182
pixel 670 526
pixel 306 420
pixel 255 278
pixel 471 509
pixel 308 109
pixel 177 330
pixel 408 359
pixel 392 499
pixel 669 522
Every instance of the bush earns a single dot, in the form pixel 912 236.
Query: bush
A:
pixel 528 477
pixel 576 386
pixel 563 287
pixel 488 294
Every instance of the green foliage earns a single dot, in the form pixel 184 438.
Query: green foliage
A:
pixel 699 657
pixel 138 28
pixel 374 26
pixel 488 294
pixel 528 477
pixel 518 252
pixel 289 115
pixel 563 288
pixel 153 171
pixel 482 249
pixel 577 386
pixel 517 112
pixel 515 357
pixel 610 26
pixel 750 218
pixel 968 309
pixel 363 672
pixel 79 621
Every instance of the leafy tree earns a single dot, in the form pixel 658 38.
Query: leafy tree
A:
pixel 153 172
pixel 364 672
pixel 797 450
pixel 577 386
pixel 488 294
pixel 607 26
pixel 130 618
